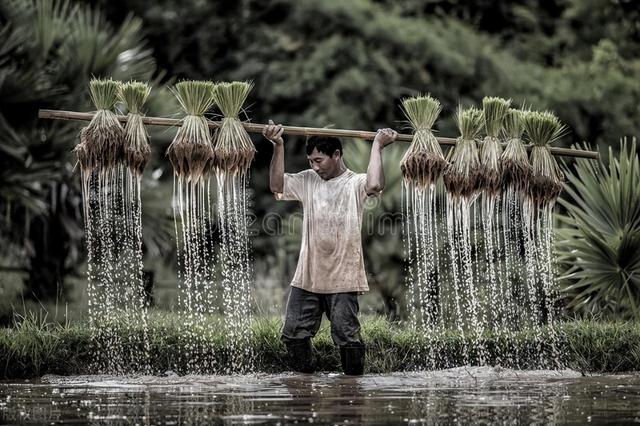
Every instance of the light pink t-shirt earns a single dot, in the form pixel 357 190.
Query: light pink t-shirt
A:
pixel 331 252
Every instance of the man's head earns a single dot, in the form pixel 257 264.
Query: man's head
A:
pixel 325 155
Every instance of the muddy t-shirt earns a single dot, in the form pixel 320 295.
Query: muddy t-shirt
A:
pixel 331 252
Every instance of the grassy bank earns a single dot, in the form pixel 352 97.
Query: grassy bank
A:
pixel 31 349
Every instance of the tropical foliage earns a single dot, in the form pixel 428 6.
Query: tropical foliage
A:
pixel 599 244
pixel 49 51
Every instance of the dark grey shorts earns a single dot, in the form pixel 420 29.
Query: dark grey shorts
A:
pixel 304 314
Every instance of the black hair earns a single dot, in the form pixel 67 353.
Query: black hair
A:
pixel 324 144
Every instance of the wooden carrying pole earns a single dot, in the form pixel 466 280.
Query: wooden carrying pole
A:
pixel 289 130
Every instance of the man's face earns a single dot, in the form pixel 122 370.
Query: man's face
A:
pixel 325 166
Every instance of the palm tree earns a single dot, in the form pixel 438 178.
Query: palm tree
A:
pixel 599 245
pixel 48 51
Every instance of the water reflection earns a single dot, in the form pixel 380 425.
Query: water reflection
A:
pixel 462 395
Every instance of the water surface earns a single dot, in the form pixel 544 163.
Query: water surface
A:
pixel 478 395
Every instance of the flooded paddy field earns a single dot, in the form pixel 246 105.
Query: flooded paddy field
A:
pixel 479 395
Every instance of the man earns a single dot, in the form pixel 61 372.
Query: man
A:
pixel 330 272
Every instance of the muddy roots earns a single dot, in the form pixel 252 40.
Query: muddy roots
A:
pixel 544 190
pixel 516 169
pixel 423 168
pixel 101 144
pixel 490 180
pixel 462 185
pixel 516 174
pixel 234 151
pixel 545 184
pixel 463 174
pixel 137 150
pixel 137 158
pixel 190 160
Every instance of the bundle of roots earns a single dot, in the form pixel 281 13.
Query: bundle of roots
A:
pixel 423 167
pixel 490 170
pixel 546 180
pixel 462 177
pixel 137 150
pixel 494 112
pixel 516 169
pixel 545 185
pixel 423 163
pixel 233 150
pixel 101 146
pixel 191 151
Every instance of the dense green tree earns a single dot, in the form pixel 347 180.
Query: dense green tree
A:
pixel 348 63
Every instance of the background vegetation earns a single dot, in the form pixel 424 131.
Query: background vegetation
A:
pixel 338 63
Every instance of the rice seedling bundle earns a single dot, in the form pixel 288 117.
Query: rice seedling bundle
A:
pixel 233 149
pixel 101 144
pixel 494 111
pixel 234 152
pixel 112 211
pixel 516 169
pixel 542 129
pixel 137 150
pixel 463 173
pixel 191 152
pixel 423 163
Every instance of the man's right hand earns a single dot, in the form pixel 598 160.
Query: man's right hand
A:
pixel 274 132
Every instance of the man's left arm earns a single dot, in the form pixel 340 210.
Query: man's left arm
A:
pixel 375 173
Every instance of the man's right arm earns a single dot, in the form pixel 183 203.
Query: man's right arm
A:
pixel 274 133
pixel 276 170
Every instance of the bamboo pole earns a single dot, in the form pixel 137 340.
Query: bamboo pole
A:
pixel 291 130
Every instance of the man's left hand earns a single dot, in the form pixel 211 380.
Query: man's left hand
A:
pixel 385 137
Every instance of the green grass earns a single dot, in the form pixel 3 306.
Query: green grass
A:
pixel 33 347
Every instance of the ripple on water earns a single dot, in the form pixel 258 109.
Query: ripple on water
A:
pixel 464 395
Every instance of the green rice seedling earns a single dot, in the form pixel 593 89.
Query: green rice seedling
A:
pixel 191 151
pixel 494 111
pixel 423 163
pixel 233 148
pixel 137 150
pixel 463 173
pixel 542 129
pixel 101 144
pixel 516 169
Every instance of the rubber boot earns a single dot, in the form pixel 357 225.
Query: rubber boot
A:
pixel 352 357
pixel 300 356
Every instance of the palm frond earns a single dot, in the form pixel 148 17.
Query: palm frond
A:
pixel 599 242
